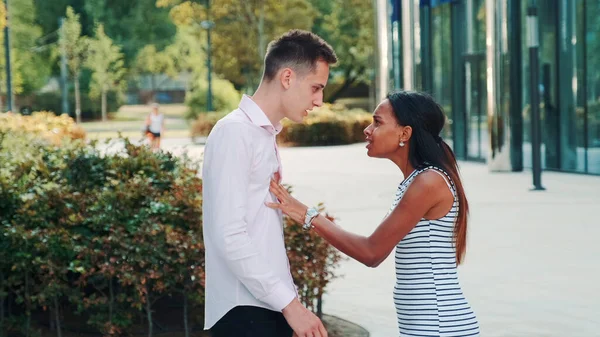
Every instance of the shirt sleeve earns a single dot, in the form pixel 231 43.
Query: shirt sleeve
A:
pixel 226 179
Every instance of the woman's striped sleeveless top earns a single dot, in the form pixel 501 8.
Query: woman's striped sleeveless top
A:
pixel 427 295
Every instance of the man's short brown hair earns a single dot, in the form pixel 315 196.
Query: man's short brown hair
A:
pixel 299 50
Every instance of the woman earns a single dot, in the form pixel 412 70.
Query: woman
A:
pixel 155 125
pixel 427 223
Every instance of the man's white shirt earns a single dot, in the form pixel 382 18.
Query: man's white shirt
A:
pixel 246 260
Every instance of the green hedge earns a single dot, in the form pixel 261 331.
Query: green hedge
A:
pixel 329 125
pixel 112 242
pixel 90 108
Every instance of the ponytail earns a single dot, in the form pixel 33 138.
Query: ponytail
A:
pixel 460 228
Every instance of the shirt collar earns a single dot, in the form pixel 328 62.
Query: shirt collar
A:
pixel 257 115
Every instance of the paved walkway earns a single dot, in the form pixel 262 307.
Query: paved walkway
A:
pixel 533 260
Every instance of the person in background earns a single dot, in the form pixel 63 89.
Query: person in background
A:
pixel 155 126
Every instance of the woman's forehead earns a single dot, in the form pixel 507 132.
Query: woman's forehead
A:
pixel 384 110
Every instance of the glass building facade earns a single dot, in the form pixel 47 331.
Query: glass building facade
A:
pixel 472 56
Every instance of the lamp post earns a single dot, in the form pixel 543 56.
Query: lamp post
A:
pixel 533 45
pixel 208 25
pixel 63 67
pixel 9 93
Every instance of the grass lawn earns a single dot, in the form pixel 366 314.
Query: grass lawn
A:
pixel 134 135
pixel 139 112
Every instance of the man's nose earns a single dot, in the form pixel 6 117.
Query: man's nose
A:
pixel 319 101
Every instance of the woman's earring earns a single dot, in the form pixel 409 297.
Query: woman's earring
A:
pixel 401 143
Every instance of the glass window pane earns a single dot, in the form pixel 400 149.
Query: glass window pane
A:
pixel 477 138
pixel 592 40
pixel 570 82
pixel 441 57
pixel 549 109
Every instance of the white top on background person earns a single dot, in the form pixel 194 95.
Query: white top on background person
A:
pixel 246 260
pixel 155 120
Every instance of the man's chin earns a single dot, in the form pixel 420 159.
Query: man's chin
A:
pixel 298 120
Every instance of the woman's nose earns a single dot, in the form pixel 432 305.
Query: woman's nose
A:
pixel 367 130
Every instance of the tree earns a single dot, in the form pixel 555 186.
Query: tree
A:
pixel 133 24
pixel 151 62
pixel 106 62
pixel 187 52
pixel 30 64
pixel 324 8
pixel 242 30
pixel 2 16
pixel 349 28
pixel 48 12
pixel 75 48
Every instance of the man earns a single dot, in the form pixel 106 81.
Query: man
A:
pixel 249 287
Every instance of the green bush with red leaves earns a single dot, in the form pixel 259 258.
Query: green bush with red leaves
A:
pixel 101 236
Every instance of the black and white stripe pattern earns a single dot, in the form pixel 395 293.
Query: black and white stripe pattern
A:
pixel 427 295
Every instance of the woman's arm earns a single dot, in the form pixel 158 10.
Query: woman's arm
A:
pixel 371 250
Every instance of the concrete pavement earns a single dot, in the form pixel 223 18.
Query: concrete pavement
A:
pixel 532 266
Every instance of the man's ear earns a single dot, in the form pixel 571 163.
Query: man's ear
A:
pixel 286 76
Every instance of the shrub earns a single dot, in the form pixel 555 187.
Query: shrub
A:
pixel 42 124
pixel 90 108
pixel 103 236
pixel 225 97
pixel 331 124
pixel 312 261
pixel 101 240
pixel 204 123
pixel 328 125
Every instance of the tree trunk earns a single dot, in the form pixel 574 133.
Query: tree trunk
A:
pixel 77 99
pixel 320 306
pixel 27 306
pixel 149 311
pixel 111 300
pixel 104 113
pixel 185 315
pixel 2 298
pixel 51 319
pixel 57 317
pixel 348 82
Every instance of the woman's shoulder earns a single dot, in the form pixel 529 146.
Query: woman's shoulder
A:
pixel 430 177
